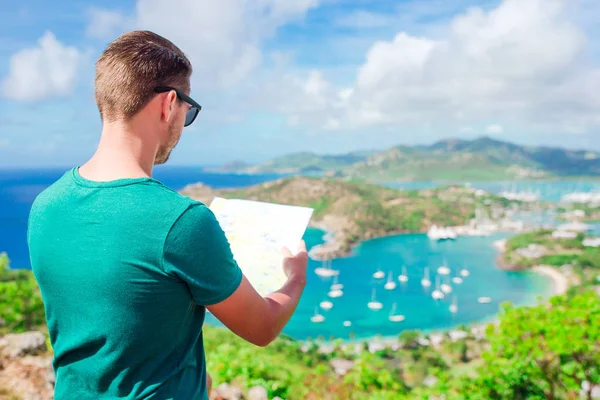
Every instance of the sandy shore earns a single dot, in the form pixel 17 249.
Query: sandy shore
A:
pixel 561 283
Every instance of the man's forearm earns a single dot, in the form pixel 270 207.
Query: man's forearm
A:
pixel 283 303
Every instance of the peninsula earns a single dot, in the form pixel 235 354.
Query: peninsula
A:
pixel 353 211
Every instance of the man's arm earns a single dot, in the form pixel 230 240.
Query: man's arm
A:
pixel 258 319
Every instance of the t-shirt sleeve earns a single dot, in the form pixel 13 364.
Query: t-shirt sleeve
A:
pixel 197 251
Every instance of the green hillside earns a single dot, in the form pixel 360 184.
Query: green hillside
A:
pixel 357 210
pixel 449 159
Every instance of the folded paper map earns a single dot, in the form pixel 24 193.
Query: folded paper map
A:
pixel 256 232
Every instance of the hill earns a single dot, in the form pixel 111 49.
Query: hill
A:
pixel 450 159
pixel 356 210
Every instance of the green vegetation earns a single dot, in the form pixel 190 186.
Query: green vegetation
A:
pixel 542 352
pixel 357 210
pixel 451 160
pixel 21 306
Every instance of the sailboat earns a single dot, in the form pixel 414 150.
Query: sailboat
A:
pixel 403 277
pixel 443 269
pixel 393 317
pixel 326 271
pixel 326 305
pixel 446 288
pixel 426 282
pixel 374 304
pixel 317 318
pixel 453 307
pixel 390 284
pixel 457 279
pixel 437 293
pixel 336 285
pixel 379 274
pixel 464 272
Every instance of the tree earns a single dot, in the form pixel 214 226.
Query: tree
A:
pixel 543 352
pixel 21 306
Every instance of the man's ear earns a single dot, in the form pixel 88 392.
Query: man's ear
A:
pixel 168 106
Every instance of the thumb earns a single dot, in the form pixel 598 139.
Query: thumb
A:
pixel 301 247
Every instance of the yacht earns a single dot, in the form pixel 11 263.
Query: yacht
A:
pixel 374 304
pixel 390 284
pixel 437 293
pixel 457 279
pixel 347 323
pixel 446 288
pixel 379 274
pixel 404 276
pixel 443 269
pixel 334 294
pixel 426 282
pixel 484 300
pixel 393 316
pixel 335 285
pixel 317 318
pixel 464 272
pixel 326 271
pixel 326 305
pixel 453 306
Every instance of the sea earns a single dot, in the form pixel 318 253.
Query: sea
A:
pixel 19 187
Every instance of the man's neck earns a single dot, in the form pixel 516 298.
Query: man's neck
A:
pixel 121 154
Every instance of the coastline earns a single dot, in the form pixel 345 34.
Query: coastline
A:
pixel 559 281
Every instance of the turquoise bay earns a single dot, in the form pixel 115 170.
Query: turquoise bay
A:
pixel 415 251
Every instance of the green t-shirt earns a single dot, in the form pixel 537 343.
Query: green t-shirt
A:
pixel 125 269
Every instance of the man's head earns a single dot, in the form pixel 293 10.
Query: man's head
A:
pixel 128 74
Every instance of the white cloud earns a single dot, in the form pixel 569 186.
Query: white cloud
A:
pixel 223 39
pixel 105 24
pixel 522 63
pixel 47 70
pixel 494 129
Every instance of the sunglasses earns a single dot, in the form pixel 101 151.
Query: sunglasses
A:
pixel 195 108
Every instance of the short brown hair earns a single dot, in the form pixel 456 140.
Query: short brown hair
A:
pixel 131 67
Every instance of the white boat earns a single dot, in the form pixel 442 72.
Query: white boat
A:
pixel 347 323
pixel 453 307
pixel 457 279
pixel 441 233
pixel 335 285
pixel 464 272
pixel 390 284
pixel 326 271
pixel 403 277
pixel 334 294
pixel 379 274
pixel 426 282
pixel 374 304
pixel 326 305
pixel 437 293
pixel 446 288
pixel 484 300
pixel 393 316
pixel 443 269
pixel 317 318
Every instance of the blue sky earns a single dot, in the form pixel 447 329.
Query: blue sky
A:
pixel 329 76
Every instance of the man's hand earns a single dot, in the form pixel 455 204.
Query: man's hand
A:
pixel 294 266
pixel 259 320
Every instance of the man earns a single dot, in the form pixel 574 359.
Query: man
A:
pixel 127 266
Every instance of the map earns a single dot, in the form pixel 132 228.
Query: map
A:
pixel 256 232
